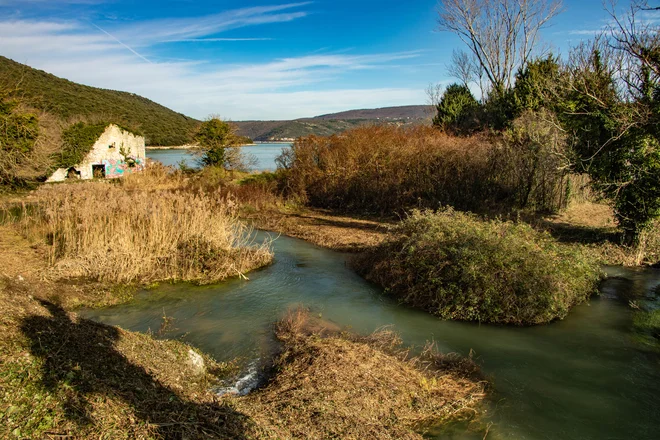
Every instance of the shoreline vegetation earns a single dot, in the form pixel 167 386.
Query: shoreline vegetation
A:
pixel 66 262
pixel 499 212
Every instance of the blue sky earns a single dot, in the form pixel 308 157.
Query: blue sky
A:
pixel 256 59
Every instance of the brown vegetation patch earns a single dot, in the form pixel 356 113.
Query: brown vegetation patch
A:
pixel 388 170
pixel 105 232
pixel 337 385
pixel 324 228
pixel 66 377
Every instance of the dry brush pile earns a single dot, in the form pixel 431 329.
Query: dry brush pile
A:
pixel 331 384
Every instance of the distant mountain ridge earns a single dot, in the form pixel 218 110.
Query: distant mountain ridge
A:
pixel 333 123
pixel 401 112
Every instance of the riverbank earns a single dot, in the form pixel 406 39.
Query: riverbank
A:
pixel 66 376
pixel 179 147
pixel 63 376
pixel 342 233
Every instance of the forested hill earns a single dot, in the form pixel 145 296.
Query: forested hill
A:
pixel 401 112
pixel 326 125
pixel 66 99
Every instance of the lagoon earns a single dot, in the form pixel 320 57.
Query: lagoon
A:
pixel 265 155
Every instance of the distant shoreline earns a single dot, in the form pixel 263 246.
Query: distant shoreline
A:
pixel 180 147
pixel 193 147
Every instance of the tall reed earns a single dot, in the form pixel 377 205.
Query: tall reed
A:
pixel 107 232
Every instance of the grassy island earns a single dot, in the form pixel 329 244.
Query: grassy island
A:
pixel 457 266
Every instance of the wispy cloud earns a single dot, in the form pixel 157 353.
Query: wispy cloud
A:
pixel 278 89
pixel 213 40
pixel 588 32
pixel 124 45
pixel 178 29
pixel 51 2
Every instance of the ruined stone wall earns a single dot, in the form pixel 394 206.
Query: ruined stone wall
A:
pixel 116 152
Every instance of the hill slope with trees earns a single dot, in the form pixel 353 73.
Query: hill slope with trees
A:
pixel 68 100
pixel 334 123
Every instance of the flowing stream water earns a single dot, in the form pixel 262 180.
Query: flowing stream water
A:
pixel 586 377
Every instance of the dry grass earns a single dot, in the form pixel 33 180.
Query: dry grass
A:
pixel 66 377
pixel 586 214
pixel 388 170
pixel 123 234
pixel 337 385
pixel 593 224
pixel 323 228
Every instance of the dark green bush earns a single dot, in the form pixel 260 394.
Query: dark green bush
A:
pixel 457 111
pixel 19 131
pixel 77 142
pixel 457 266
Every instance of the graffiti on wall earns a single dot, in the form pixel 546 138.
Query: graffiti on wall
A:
pixel 117 168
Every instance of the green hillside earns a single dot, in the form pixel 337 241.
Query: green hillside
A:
pixel 287 130
pixel 66 99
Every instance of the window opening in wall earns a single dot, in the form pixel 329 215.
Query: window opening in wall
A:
pixel 72 173
pixel 98 171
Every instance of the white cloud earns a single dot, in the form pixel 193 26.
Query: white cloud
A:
pixel 274 89
pixel 164 30
pixel 51 2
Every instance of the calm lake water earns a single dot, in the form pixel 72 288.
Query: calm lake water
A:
pixel 586 377
pixel 265 155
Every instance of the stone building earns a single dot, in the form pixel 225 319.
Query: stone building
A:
pixel 115 153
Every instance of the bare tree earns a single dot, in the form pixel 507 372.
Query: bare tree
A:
pixel 463 67
pixel 434 94
pixel 501 35
pixel 636 36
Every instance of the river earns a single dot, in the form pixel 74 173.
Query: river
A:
pixel 264 154
pixel 586 377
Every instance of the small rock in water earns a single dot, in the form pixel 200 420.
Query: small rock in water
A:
pixel 196 362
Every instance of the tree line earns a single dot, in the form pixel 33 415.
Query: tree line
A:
pixel 595 113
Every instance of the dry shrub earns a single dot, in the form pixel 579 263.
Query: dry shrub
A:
pixel 337 385
pixel 385 169
pixel 532 162
pixel 102 231
pixel 457 266
pixel 23 165
pixel 390 169
pixel 647 248
pixel 155 177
